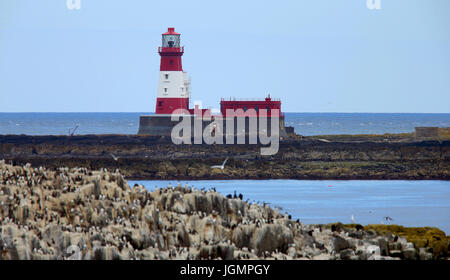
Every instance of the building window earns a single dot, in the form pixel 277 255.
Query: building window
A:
pixel 245 108
pixel 160 103
pixel 167 76
pixel 165 90
pixel 256 108
pixel 268 108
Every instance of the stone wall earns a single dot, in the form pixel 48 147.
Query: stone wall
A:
pixel 444 132
pixel 161 125
pixel 433 132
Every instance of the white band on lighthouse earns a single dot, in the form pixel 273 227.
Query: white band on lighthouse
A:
pixel 173 84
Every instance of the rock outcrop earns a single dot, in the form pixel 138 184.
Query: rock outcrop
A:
pixel 150 157
pixel 84 214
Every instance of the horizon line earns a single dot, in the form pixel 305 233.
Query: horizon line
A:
pixel 289 112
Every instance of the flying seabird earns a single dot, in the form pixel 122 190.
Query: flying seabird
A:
pixel 72 132
pixel 387 219
pixel 114 157
pixel 220 166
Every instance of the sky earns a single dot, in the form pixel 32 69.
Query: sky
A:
pixel 315 55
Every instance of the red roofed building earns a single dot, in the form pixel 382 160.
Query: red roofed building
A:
pixel 247 105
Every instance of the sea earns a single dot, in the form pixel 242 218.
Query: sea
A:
pixel 408 203
pixel 304 123
pixel 417 203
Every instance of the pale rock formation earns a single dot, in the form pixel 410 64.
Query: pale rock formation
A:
pixel 84 214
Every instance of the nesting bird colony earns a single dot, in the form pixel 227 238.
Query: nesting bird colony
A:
pixel 84 214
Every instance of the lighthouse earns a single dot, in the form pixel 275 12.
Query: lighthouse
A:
pixel 173 93
pixel 173 85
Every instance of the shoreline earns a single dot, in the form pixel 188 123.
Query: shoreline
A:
pixel 275 179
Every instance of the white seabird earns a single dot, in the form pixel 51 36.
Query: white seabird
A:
pixel 220 166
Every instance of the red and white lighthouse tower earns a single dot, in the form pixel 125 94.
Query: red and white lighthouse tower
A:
pixel 173 87
pixel 174 91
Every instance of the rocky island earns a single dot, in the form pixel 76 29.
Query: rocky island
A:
pixel 79 213
pixel 389 156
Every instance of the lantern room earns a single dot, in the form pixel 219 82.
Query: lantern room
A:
pixel 171 39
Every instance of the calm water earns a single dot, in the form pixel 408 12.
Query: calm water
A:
pixel 409 203
pixel 304 123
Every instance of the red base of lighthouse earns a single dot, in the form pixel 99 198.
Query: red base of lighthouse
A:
pixel 168 105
